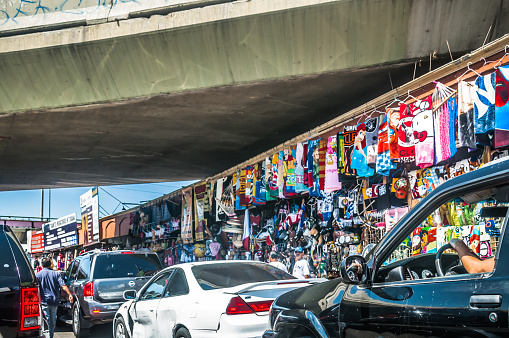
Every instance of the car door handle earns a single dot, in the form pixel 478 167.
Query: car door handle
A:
pixel 485 301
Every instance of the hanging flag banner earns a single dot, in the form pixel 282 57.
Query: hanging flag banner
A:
pixel 89 203
pixel 200 220
pixel 37 241
pixel 60 233
pixel 187 216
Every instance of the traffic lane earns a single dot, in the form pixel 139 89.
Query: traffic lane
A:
pixel 99 331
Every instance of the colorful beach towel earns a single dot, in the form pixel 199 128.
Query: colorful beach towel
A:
pixel 423 133
pixel 299 169
pixel 383 161
pixel 484 108
pixel 501 137
pixel 359 157
pixel 331 166
pixel 393 117
pixel 444 122
pixel 349 133
pixel 406 133
pixel 371 141
pixel 322 150
pixel 466 135
pixel 313 163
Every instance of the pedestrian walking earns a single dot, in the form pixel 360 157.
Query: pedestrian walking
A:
pixel 50 283
pixel 301 267
pixel 274 261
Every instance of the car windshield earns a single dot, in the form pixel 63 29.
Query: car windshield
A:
pixel 126 265
pixel 226 275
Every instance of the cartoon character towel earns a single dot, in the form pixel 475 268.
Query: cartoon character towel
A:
pixel 372 141
pixel 359 158
pixel 383 161
pixel 406 133
pixel 423 133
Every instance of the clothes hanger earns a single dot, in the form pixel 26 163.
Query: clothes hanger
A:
pixel 394 101
pixel 506 53
pixel 409 96
pixel 468 69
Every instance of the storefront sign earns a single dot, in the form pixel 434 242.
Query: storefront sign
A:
pixel 187 216
pixel 89 203
pixel 37 242
pixel 60 233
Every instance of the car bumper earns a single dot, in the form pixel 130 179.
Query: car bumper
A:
pixel 236 326
pixel 102 311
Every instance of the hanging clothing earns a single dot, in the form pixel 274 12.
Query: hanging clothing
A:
pixel 282 171
pixel 359 158
pixel 371 141
pixel 322 150
pixel 444 122
pixel 331 166
pixel 260 184
pixel 341 151
pixel 424 133
pixel 249 185
pixel 299 169
pixel 484 108
pixel 501 137
pixel 466 133
pixel 393 117
pixel 313 164
pixel 406 133
pixel 383 161
pixel 270 178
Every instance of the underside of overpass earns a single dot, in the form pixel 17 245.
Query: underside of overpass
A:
pixel 193 92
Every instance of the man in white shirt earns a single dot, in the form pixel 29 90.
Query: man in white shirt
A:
pixel 301 267
pixel 273 261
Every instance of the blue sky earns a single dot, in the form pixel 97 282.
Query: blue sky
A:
pixel 65 201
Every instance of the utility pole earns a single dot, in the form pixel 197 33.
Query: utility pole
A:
pixel 42 204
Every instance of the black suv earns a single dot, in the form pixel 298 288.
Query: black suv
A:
pixel 400 291
pixel 19 292
pixel 98 279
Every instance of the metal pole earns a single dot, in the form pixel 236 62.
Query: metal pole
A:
pixel 42 204
pixel 49 204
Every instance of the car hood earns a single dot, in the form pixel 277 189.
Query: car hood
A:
pixel 315 298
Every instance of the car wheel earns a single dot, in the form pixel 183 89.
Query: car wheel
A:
pixel 76 323
pixel 182 333
pixel 120 329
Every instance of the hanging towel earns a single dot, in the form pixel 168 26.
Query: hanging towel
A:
pixel 406 133
pixel 371 141
pixel 249 185
pixel 313 163
pixel 484 108
pixel 331 166
pixel 359 158
pixel 349 138
pixel 383 161
pixel 341 151
pixel 322 149
pixel 282 168
pixel 393 116
pixel 424 133
pixel 290 177
pixel 270 179
pixel 501 137
pixel 444 122
pixel 466 134
pixel 260 184
pixel 299 169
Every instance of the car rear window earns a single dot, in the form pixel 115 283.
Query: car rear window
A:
pixel 226 275
pixel 14 266
pixel 121 265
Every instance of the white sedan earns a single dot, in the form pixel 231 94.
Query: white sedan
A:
pixel 205 299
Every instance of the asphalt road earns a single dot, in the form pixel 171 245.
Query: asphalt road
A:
pixel 98 331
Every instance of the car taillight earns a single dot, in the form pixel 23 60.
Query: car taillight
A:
pixel 127 252
pixel 238 306
pixel 261 306
pixel 88 290
pixel 29 309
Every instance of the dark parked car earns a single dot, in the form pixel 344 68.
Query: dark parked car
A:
pixel 401 292
pixel 98 280
pixel 19 292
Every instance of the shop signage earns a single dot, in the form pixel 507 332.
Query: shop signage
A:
pixel 37 242
pixel 60 233
pixel 89 203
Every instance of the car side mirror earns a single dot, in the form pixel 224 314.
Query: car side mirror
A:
pixel 354 270
pixel 129 294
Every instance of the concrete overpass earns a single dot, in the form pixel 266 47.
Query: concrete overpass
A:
pixel 118 92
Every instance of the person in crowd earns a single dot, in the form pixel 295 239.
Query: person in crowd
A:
pixel 301 267
pixel 50 283
pixel 273 260
pixel 471 262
